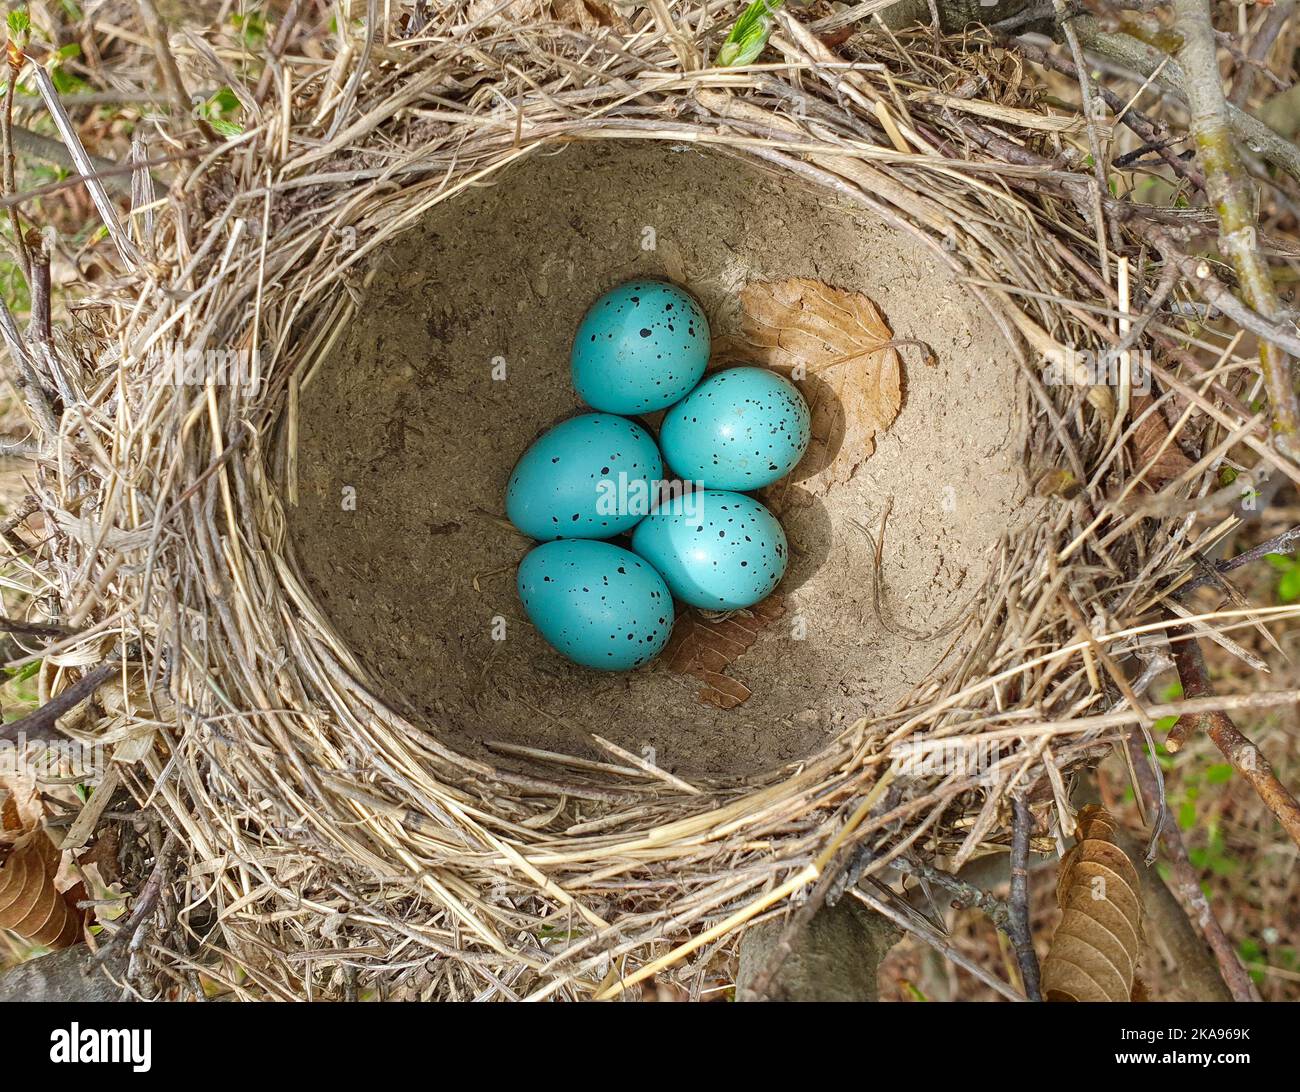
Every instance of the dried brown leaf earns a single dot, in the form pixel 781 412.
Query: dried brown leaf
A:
pixel 705 648
pixel 836 342
pixel 30 902
pixel 1166 465
pixel 1095 949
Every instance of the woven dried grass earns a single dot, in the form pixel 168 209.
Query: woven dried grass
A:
pixel 331 845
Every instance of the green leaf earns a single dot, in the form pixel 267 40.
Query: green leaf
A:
pixel 19 23
pixel 224 101
pixel 1218 773
pixel 748 37
pixel 1281 562
pixel 1187 815
pixel 1288 588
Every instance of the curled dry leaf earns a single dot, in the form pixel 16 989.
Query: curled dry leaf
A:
pixel 1095 949
pixel 30 903
pixel 705 648
pixel 833 344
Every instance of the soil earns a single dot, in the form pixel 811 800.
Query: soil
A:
pixel 412 414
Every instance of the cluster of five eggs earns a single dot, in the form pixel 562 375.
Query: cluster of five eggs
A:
pixel 695 536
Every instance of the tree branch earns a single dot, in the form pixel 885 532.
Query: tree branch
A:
pixel 1247 759
pixel 1188 882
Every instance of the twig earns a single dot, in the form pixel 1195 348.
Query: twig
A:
pixel 1021 937
pixel 34 629
pixel 1278 16
pixel 109 173
pixel 1189 883
pixel 962 894
pixel 1147 61
pixel 278 46
pixel 1247 759
pixel 167 63
pixel 1143 127
pixel 40 723
pixel 1211 128
pixel 937 943
pixel 16 59
pixel 1285 543
pixel 67 130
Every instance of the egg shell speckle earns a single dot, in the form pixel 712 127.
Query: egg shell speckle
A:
pixel 568 484
pixel 598 604
pixel 639 348
pixel 742 428
pixel 715 549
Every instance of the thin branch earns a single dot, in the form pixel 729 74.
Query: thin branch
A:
pixel 171 74
pixel 278 45
pixel 1021 936
pixel 1277 18
pixel 1147 61
pixel 34 629
pixel 41 723
pixel 1149 132
pixel 1247 759
pixel 1285 543
pixel 1188 882
pixel 16 60
pixel 1225 174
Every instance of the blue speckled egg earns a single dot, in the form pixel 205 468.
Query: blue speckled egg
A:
pixel 596 603
pixel 715 549
pixel 639 348
pixel 742 428
pixel 588 477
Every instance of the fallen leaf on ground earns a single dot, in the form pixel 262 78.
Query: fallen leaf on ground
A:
pixel 705 648
pixel 1095 949
pixel 832 343
pixel 30 902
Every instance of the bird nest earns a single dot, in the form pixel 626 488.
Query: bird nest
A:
pixel 367 790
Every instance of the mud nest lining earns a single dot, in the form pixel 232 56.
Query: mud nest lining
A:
pixel 313 696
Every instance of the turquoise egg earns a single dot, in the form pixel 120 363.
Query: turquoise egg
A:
pixel 596 603
pixel 588 477
pixel 715 549
pixel 742 428
pixel 639 348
